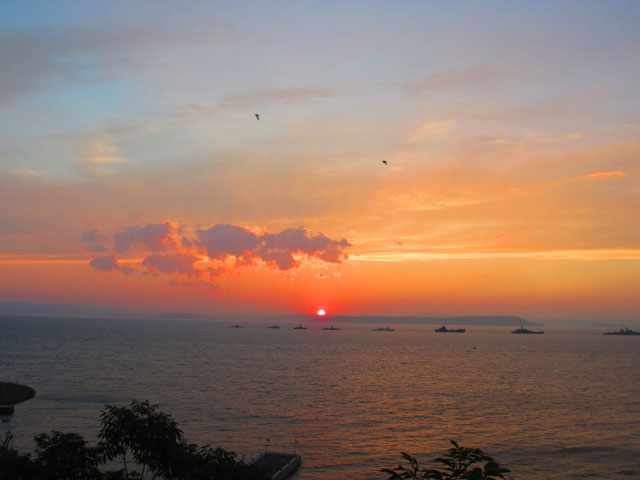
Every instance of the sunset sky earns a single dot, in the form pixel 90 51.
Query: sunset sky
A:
pixel 134 174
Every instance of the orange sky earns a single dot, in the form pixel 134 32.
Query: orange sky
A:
pixel 134 174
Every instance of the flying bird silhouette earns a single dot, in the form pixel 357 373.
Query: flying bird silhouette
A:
pixel 385 162
pixel 257 116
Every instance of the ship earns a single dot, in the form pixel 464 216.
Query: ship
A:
pixel 623 331
pixel 444 329
pixel 383 329
pixel 524 330
pixel 299 327
pixel 331 328
pixel 274 326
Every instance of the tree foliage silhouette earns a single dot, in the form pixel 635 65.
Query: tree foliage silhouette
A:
pixel 459 464
pixel 138 436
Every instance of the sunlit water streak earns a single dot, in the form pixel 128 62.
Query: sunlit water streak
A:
pixel 563 405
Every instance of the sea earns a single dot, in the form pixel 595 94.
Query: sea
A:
pixel 563 405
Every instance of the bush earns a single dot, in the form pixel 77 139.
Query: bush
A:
pixel 458 465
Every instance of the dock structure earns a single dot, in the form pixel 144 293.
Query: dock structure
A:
pixel 277 466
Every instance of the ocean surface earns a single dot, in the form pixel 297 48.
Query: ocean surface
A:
pixel 563 405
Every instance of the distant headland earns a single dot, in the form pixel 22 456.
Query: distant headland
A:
pixel 92 311
pixel 468 320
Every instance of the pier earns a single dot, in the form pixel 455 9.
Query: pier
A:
pixel 277 466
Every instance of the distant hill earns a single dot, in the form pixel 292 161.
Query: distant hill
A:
pixel 177 315
pixel 62 310
pixel 69 310
pixel 470 320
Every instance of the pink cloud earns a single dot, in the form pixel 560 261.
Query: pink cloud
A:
pixel 108 263
pixel 157 237
pixel 277 249
pixel 171 252
pixel 221 240
pixel 127 270
pixel 215 272
pixel 94 239
pixel 178 263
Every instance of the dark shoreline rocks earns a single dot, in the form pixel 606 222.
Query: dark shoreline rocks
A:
pixel 13 393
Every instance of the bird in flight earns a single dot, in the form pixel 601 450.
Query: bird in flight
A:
pixel 257 116
pixel 385 162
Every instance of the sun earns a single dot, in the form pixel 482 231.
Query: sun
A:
pixel 321 313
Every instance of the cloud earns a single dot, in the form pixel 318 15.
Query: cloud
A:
pixel 259 98
pixel 459 78
pixel 287 95
pixel 178 263
pixel 108 263
pixel 276 249
pixel 24 173
pixel 43 58
pixel 193 284
pixel 101 153
pixel 94 239
pixel 215 272
pixel 97 158
pixel 575 135
pixel 430 130
pixel 92 236
pixel 221 241
pixel 157 237
pixel 171 252
pixel 595 175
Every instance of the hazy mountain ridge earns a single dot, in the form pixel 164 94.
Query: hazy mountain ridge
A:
pixel 71 310
pixel 62 309
pixel 470 320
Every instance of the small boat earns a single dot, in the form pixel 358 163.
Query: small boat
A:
pixel 444 329
pixel 299 327
pixel 524 330
pixel 274 326
pixel 383 329
pixel 623 331
pixel 331 328
pixel 237 326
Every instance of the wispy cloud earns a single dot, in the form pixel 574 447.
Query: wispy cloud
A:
pixel 611 174
pixel 575 135
pixel 97 158
pixel 43 58
pixel 94 239
pixel 428 255
pixel 431 130
pixel 477 76
pixel 284 95
pixel 24 172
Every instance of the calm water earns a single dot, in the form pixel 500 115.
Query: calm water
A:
pixel 561 405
